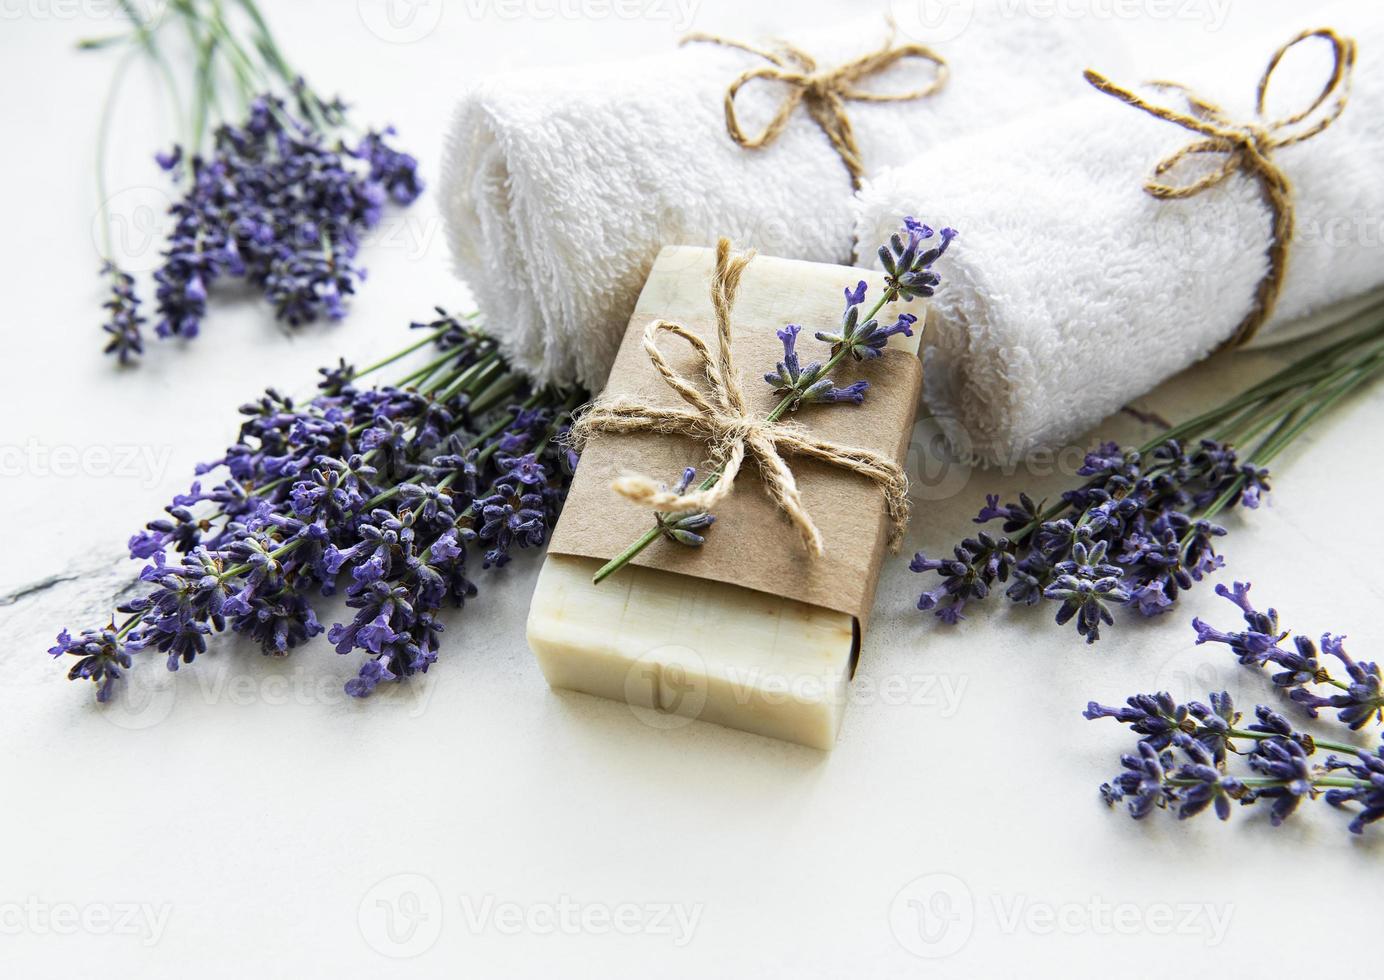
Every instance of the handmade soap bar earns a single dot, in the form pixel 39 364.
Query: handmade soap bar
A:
pixel 685 633
pixel 692 648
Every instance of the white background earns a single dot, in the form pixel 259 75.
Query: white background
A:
pixel 268 826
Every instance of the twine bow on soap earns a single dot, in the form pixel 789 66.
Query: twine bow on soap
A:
pixel 824 92
pixel 725 423
pixel 1248 147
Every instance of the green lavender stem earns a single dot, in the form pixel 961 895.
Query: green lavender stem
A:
pixel 1320 743
pixel 246 48
pixel 430 336
pixel 1321 397
pixel 102 140
pixel 1265 782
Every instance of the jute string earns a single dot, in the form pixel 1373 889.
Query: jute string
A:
pixel 724 423
pixel 823 92
pixel 1248 147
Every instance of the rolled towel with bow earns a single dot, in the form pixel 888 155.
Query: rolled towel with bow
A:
pixel 560 187
pixel 1112 242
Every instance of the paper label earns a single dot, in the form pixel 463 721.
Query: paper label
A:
pixel 753 544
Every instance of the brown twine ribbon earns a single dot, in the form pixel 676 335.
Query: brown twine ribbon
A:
pixel 824 92
pixel 1248 147
pixel 724 422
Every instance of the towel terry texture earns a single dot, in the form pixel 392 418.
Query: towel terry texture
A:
pixel 559 188
pixel 1071 291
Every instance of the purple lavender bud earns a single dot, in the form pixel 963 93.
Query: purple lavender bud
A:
pixel 124 323
pixel 170 159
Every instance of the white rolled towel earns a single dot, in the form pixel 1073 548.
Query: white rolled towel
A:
pixel 1071 290
pixel 560 187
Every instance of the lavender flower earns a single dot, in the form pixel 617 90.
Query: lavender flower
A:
pixel 861 336
pixel 1155 716
pixel 978 564
pixel 101 655
pixel 1204 784
pixel 800 386
pixel 908 264
pixel 864 340
pixel 1185 750
pixel 1368 770
pixel 127 340
pixel 382 491
pixel 682 527
pixel 1298 671
pixel 1144 782
pixel 396 172
pixel 1084 584
pixel 1284 762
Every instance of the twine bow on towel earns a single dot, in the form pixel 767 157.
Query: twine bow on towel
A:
pixel 824 92
pixel 725 423
pixel 1248 147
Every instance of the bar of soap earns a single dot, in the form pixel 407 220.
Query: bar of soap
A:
pixel 677 648
pixel 694 646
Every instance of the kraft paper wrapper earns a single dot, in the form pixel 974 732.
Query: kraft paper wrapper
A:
pixel 753 544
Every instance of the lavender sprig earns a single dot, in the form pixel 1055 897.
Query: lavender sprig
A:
pixel 1183 757
pixel 1298 671
pixel 1150 513
pixel 124 323
pixel 381 490
pixel 909 274
pixel 101 655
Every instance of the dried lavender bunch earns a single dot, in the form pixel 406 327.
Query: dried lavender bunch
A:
pixel 279 206
pixel 385 490
pixel 1359 697
pixel 280 198
pixel 1182 762
pixel 908 261
pixel 1142 527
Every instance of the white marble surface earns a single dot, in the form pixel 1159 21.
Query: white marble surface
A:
pixel 242 818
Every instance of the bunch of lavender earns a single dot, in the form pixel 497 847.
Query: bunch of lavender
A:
pixel 1142 527
pixel 907 262
pixel 280 198
pixel 1299 673
pixel 1182 762
pixel 384 490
